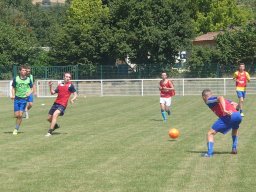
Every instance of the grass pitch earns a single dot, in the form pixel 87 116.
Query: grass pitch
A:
pixel 121 144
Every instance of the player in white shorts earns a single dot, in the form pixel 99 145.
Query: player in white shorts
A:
pixel 167 90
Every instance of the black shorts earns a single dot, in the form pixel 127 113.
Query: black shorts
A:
pixel 55 107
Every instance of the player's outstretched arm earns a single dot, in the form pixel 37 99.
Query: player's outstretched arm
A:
pixel 74 97
pixel 51 89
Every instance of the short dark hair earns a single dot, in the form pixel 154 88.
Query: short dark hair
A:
pixel 22 67
pixel 205 92
pixel 241 64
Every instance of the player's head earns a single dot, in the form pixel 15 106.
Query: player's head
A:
pixel 206 93
pixel 241 67
pixel 23 70
pixel 28 69
pixel 164 75
pixel 67 77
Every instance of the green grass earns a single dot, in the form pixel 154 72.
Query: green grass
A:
pixel 120 144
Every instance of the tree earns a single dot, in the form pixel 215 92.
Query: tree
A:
pixel 150 32
pixel 84 35
pixel 238 45
pixel 17 46
pixel 215 15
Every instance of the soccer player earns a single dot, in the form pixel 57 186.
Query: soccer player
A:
pixel 167 90
pixel 30 98
pixel 21 89
pixel 229 118
pixel 241 77
pixel 64 91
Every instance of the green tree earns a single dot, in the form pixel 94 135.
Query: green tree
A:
pixel 83 38
pixel 215 15
pixel 150 32
pixel 17 46
pixel 238 45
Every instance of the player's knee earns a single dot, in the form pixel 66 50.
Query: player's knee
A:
pixel 211 132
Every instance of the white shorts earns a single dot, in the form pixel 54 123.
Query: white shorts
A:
pixel 166 101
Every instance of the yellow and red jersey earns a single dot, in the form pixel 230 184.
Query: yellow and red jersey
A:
pixel 166 93
pixel 241 80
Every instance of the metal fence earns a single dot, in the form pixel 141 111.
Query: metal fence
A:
pixel 139 87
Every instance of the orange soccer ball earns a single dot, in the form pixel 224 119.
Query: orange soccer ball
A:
pixel 174 133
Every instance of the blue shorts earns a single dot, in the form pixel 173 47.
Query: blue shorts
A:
pixel 224 124
pixel 241 94
pixel 20 104
pixel 31 98
pixel 55 107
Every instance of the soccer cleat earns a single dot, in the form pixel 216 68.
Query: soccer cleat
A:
pixel 242 115
pixel 234 151
pixel 48 135
pixel 15 132
pixel 206 155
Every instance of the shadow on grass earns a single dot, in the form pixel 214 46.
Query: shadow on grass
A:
pixel 10 132
pixel 58 133
pixel 172 140
pixel 156 120
pixel 215 152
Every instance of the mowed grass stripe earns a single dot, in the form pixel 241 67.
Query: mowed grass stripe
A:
pixel 120 144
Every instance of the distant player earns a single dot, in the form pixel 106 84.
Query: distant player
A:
pixel 241 77
pixel 21 89
pixel 64 90
pixel 229 118
pixel 30 98
pixel 167 90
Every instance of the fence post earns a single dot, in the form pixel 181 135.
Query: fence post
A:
pixel 101 72
pixel 183 87
pixel 142 88
pixel 101 87
pixel 225 92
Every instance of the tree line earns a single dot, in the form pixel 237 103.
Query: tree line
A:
pixel 97 32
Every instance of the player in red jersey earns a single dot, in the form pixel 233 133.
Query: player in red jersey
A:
pixel 64 90
pixel 229 118
pixel 167 90
pixel 241 77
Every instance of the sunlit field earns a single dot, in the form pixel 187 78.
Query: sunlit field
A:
pixel 121 144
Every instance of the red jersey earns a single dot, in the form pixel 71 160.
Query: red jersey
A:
pixel 167 84
pixel 241 80
pixel 216 107
pixel 64 91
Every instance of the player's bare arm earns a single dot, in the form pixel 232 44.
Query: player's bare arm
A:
pixel 74 97
pixel 221 100
pixel 13 93
pixel 51 89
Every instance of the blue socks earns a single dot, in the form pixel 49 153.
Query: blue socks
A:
pixel 235 141
pixel 163 114
pixel 17 127
pixel 210 148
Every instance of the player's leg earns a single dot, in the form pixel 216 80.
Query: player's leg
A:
pixel 234 141
pixel 162 107
pixel 235 121
pixel 29 105
pixel 241 95
pixel 210 143
pixel 19 108
pixel 168 105
pixel 218 126
pixel 53 120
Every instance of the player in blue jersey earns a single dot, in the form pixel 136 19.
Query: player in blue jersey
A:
pixel 229 118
